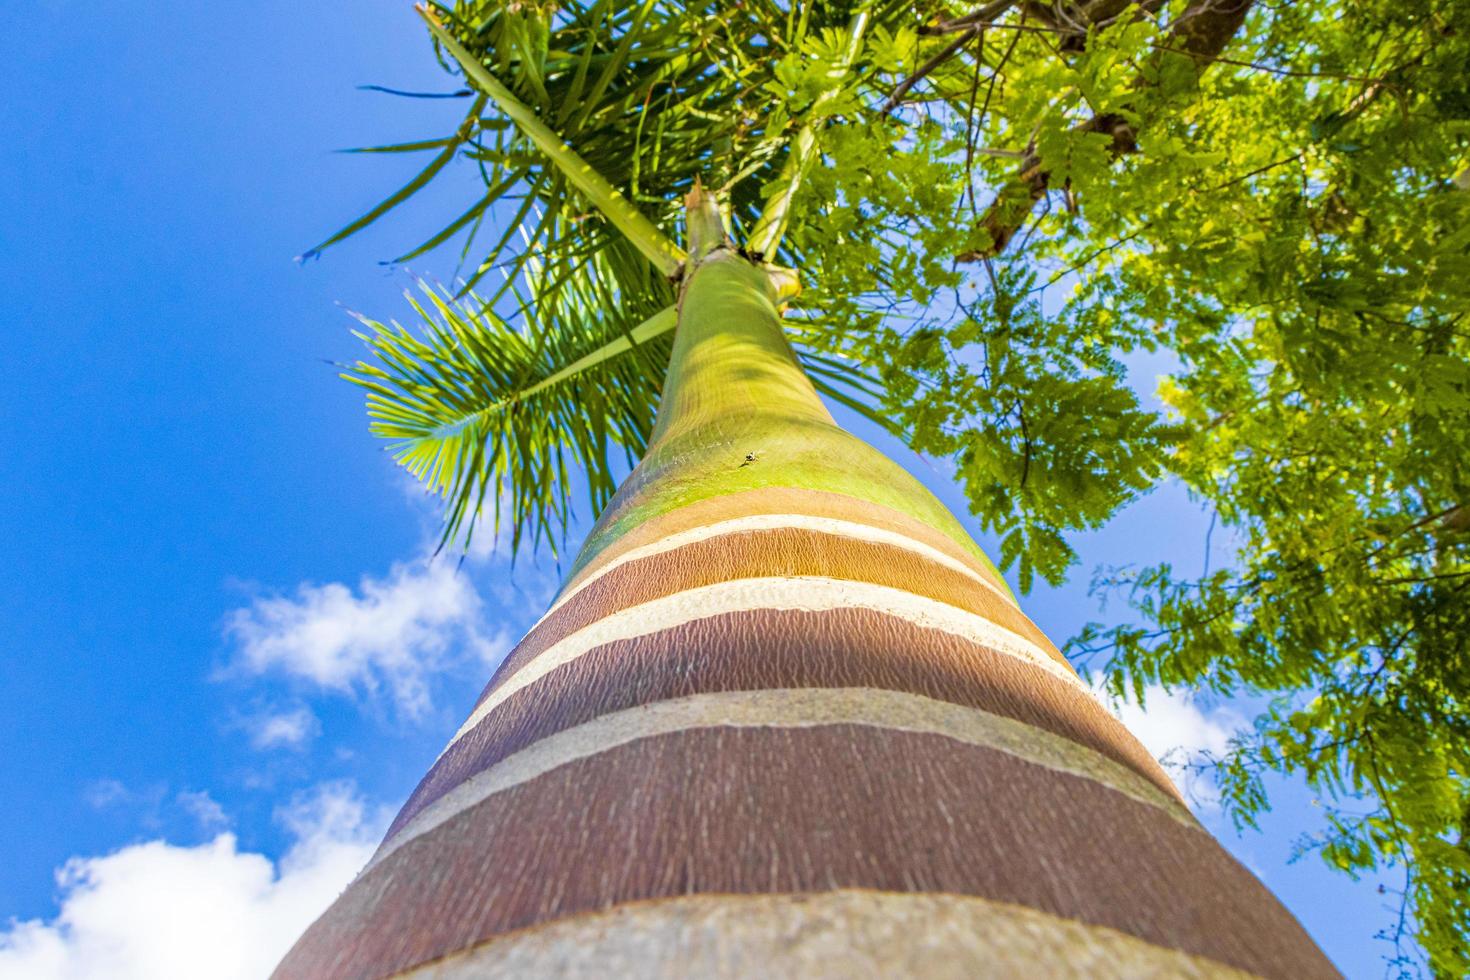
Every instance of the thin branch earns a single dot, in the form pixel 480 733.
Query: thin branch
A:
pixel 975 18
pixel 1430 518
pixel 939 57
pixel 766 236
pixel 1026 439
pixel 985 110
pixel 998 26
pixel 972 131
pixel 1282 72
pixel 1258 171
pixel 1087 259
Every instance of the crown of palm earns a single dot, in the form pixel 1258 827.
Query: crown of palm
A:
pixel 506 400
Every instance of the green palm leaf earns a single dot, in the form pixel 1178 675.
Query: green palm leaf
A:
pixel 494 414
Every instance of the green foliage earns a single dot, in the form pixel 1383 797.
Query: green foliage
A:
pixel 1313 281
pixel 1045 433
pixel 467 409
pixel 1002 218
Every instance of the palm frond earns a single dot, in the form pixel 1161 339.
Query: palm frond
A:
pixel 646 94
pixel 491 414
pixel 850 385
pixel 450 150
pixel 657 247
pixel 606 112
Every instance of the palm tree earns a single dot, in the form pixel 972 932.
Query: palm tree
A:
pixel 784 714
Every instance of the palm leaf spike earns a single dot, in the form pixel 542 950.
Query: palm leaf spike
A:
pixel 492 194
pixel 660 323
pixel 771 226
pixel 655 246
pixel 705 226
pixel 451 148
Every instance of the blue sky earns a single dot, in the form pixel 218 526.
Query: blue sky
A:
pixel 223 658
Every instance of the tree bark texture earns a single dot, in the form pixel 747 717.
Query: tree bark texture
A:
pixel 785 719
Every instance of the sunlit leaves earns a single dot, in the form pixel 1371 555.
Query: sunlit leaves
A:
pixel 893 51
pixel 457 401
pixel 1047 436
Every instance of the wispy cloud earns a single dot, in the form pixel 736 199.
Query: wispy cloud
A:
pixel 154 805
pixel 204 808
pixel 158 911
pixel 389 635
pixel 1177 728
pixel 103 793
pixel 288 728
pixel 148 804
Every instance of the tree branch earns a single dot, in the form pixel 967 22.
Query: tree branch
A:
pixel 939 58
pixel 1201 33
pixel 976 18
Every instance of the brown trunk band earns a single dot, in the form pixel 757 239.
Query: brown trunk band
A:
pixel 783 500
pixel 753 554
pixel 789 811
pixel 764 649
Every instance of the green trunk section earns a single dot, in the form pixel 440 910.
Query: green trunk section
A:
pixel 738 413
pixel 731 365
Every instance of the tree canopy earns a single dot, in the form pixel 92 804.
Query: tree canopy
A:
pixel 991 210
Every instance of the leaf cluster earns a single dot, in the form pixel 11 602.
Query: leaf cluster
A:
pixel 481 410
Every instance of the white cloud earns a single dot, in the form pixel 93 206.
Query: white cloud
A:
pixel 290 728
pixel 1178 729
pixel 157 911
pixel 105 792
pixel 392 633
pixel 147 804
pixel 204 808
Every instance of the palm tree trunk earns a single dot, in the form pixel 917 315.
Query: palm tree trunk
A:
pixel 785 717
